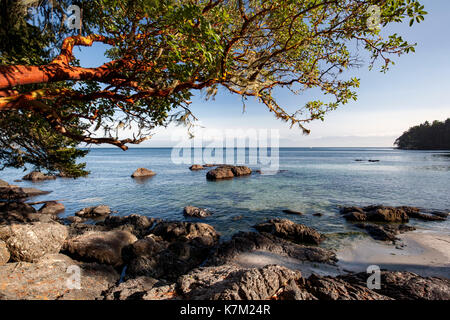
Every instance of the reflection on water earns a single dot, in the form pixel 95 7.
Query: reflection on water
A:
pixel 312 180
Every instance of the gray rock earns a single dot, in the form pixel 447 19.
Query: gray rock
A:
pixel 29 242
pixel 142 288
pixel 172 231
pixel 38 176
pixel 289 230
pixel 228 282
pixel 136 224
pixel 195 212
pixel 4 253
pixel 142 172
pixel 100 246
pixel 94 212
pixel 52 207
pixel 50 279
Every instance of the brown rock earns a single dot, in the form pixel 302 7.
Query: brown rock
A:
pixel 38 176
pixel 4 253
pixel 103 247
pixel 289 211
pixel 241 171
pixel 385 214
pixel 355 216
pixel 220 173
pixel 29 242
pixel 196 167
pixel 50 279
pixel 142 288
pixel 52 207
pixel 172 231
pixel 134 223
pixel 289 230
pixel 142 172
pixel 195 212
pixel 94 212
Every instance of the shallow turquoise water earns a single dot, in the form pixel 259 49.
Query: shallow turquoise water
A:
pixel 316 180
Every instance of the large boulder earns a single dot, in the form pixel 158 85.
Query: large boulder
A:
pixel 50 279
pixel 100 246
pixel 20 212
pixel 172 249
pixel 142 173
pixel 220 173
pixel 142 288
pixel 29 242
pixel 229 282
pixel 386 214
pixel 52 207
pixel 195 212
pixel 4 253
pixel 289 230
pixel 241 171
pixel 94 212
pixel 38 176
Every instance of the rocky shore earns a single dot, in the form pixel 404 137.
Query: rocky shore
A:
pixel 138 257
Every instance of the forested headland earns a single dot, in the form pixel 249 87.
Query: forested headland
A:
pixel 426 136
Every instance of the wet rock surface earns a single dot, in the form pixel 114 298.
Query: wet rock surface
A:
pixel 385 232
pixel 38 176
pixel 29 242
pixel 196 167
pixel 228 172
pixel 195 212
pixel 52 207
pixel 94 212
pixel 289 230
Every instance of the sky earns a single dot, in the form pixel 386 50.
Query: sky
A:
pixel 415 89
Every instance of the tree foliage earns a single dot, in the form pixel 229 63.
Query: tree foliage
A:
pixel 426 136
pixel 161 52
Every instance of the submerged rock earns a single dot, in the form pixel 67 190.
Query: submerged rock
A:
pixel 38 176
pixel 289 211
pixel 29 242
pixel 142 172
pixel 100 246
pixel 385 232
pixel 94 212
pixel 195 212
pixel 289 230
pixel 49 279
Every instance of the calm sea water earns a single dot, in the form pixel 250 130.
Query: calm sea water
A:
pixel 315 180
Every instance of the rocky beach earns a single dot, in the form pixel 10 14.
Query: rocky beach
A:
pixel 132 256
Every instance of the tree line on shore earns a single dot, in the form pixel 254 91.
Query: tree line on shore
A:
pixel 426 136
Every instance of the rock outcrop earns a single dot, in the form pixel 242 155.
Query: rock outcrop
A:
pixel 134 223
pixel 4 253
pixel 29 242
pixel 100 246
pixel 227 172
pixel 142 173
pixel 94 212
pixel 38 176
pixel 289 230
pixel 53 277
pixel 196 167
pixel 142 288
pixel 385 232
pixel 52 207
pixel 195 212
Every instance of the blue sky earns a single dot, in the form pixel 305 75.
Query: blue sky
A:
pixel 417 88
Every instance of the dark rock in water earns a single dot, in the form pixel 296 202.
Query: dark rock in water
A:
pixel 142 172
pixel 426 217
pixel 402 285
pixel 209 165
pixel 134 223
pixel 236 218
pixel 243 242
pixel 172 231
pixel 142 288
pixel 94 212
pixel 4 253
pixel 317 214
pixel 241 171
pixel 228 282
pixel 220 173
pixel 289 230
pixel 38 176
pixel 359 159
pixel 47 279
pixel 373 160
pixel 288 211
pixel 172 249
pixel 102 247
pixel 386 214
pixel 228 172
pixel 385 232
pixel 52 207
pixel 13 192
pixel 345 210
pixel 441 214
pixel 355 216
pixel 196 167
pixel 195 212
pixel 329 288
pixel 30 242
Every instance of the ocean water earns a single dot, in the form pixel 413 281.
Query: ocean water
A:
pixel 312 180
